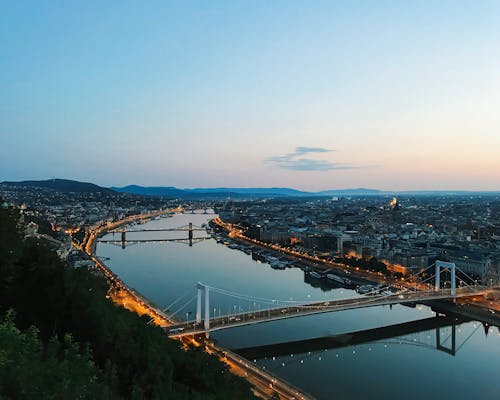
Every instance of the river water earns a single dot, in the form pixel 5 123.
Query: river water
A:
pixel 456 362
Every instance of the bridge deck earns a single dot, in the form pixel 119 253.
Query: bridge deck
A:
pixel 158 230
pixel 250 318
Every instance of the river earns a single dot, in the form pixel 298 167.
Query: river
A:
pixel 466 364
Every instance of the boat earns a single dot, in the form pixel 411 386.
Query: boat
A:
pixel 366 289
pixel 316 275
pixel 278 265
pixel 339 279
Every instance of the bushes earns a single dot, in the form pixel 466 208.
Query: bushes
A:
pixel 121 356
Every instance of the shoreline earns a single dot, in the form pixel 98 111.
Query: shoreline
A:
pixel 479 310
pixel 264 385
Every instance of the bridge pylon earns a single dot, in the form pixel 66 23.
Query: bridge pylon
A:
pixel 190 234
pixel 206 316
pixel 447 266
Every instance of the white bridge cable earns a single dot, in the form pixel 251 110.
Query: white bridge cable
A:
pixel 459 270
pixel 171 304
pixel 425 269
pixel 177 300
pixel 252 298
pixel 184 305
pixel 274 303
pixel 441 270
pixel 323 304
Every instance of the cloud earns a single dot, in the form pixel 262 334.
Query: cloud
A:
pixel 305 150
pixel 295 161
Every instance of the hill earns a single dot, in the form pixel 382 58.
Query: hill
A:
pixel 62 338
pixel 60 185
pixel 224 192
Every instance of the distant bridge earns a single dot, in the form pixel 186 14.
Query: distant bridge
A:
pixel 204 210
pixel 190 239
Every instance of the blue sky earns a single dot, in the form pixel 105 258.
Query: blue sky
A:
pixel 307 94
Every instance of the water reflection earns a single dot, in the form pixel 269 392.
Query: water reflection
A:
pixel 401 331
pixel 382 352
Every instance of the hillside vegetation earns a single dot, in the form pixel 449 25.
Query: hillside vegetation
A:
pixel 60 338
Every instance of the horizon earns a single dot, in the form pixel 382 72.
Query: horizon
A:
pixel 385 95
pixel 384 191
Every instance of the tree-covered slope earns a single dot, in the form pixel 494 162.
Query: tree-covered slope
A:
pixel 64 337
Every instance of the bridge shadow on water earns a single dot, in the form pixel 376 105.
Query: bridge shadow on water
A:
pixel 360 337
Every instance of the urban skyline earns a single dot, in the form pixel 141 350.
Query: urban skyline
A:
pixel 319 96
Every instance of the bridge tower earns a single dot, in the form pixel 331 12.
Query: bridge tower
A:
pixel 123 239
pixel 446 266
pixel 206 317
pixel 190 234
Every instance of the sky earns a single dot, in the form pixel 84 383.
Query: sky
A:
pixel 391 95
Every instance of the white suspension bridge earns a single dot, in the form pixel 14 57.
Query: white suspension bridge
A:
pixel 273 309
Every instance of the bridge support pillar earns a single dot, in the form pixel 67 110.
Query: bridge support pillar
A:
pixel 453 280
pixel 207 309
pixel 437 275
pixel 199 287
pixel 190 234
pixel 123 239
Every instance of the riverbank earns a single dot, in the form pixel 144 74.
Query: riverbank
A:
pixel 481 308
pixel 119 292
pixel 264 384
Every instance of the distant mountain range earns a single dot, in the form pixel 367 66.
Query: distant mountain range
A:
pixel 60 185
pixel 225 192
pixel 66 185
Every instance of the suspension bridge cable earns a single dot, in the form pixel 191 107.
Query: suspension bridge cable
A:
pixel 176 301
pixel 184 305
pixel 271 302
pixel 473 280
pixel 249 297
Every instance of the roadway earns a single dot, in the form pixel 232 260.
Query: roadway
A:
pixel 318 307
pixel 137 302
pixel 354 272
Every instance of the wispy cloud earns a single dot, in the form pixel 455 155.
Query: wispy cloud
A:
pixel 305 150
pixel 296 161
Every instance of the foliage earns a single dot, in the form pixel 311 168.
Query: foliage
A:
pixel 123 357
pixel 31 370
